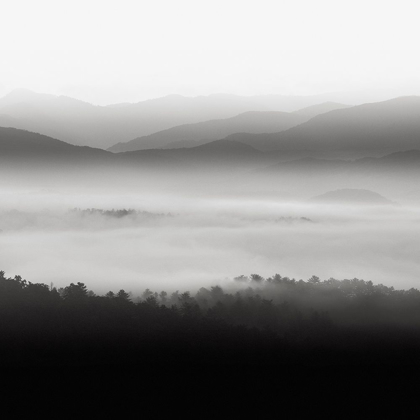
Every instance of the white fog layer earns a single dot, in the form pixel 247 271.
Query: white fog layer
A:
pixel 186 243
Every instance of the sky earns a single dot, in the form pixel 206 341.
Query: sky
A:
pixel 107 52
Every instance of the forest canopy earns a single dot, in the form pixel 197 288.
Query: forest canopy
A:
pixel 254 315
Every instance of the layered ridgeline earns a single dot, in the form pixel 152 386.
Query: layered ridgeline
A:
pixel 25 146
pixel 366 130
pixel 21 150
pixel 81 123
pixel 224 164
pixel 21 146
pixel 190 135
pixel 314 110
pixel 330 130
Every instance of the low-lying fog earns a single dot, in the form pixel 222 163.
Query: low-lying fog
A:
pixel 176 242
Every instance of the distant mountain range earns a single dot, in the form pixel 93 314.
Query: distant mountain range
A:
pixel 18 146
pixel 314 128
pixel 191 135
pixel 81 123
pixel 28 158
pixel 364 130
pixel 21 149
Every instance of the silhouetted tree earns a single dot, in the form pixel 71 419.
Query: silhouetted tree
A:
pixel 75 291
pixel 123 295
pixel 257 278
pixel 147 293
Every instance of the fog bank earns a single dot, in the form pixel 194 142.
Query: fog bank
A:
pixel 185 243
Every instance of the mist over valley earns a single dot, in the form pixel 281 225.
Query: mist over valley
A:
pixel 218 242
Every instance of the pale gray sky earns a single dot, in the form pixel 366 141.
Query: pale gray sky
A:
pixel 116 51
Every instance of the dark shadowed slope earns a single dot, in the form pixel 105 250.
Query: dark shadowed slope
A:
pixel 191 135
pixel 24 149
pixel 21 151
pixel 352 196
pixel 314 110
pixel 365 130
pixel 19 146
pixel 219 153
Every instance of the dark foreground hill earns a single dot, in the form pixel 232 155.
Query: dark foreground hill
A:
pixel 263 322
pixel 274 340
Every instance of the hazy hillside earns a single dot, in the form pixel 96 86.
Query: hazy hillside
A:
pixel 213 155
pixel 365 130
pixel 314 110
pixel 190 135
pixel 352 196
pixel 400 161
pixel 7 121
pixel 19 148
pixel 81 123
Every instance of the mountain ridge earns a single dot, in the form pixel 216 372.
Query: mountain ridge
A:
pixel 188 135
pixel 374 128
pixel 81 123
pixel 24 146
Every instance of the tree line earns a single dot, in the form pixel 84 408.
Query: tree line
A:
pixel 253 320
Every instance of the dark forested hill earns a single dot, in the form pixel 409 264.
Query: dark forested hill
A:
pixel 335 322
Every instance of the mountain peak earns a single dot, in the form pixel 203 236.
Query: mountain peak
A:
pixel 24 95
